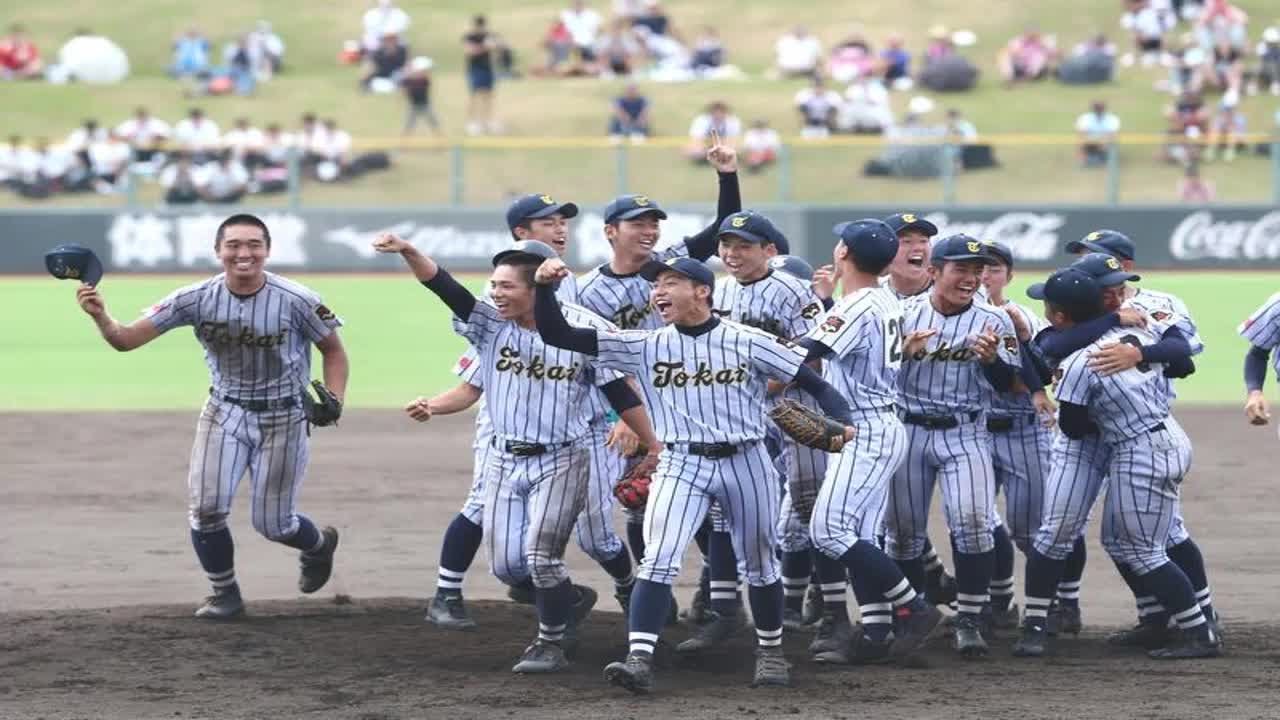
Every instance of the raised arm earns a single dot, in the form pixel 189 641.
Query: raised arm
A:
pixel 552 326
pixel 121 337
pixel 436 279
pixel 729 201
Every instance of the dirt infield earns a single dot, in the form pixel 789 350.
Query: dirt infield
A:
pixel 92 510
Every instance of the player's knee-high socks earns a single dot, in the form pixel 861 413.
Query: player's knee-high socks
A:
pixel 833 578
pixel 1186 555
pixel 650 604
pixel 635 538
pixel 766 611
pixel 914 572
pixel 1038 589
pixel 217 556
pixel 932 563
pixel 619 568
pixel 1173 589
pixel 307 538
pixel 1001 589
pixel 973 580
pixel 725 598
pixel 461 543
pixel 553 610
pixel 797 567
pixel 1069 585
pixel 879 586
pixel 1150 610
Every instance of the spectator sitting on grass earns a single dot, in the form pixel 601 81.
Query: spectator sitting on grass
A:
pixel 1188 125
pixel 761 144
pixel 940 45
pixel 384 65
pixel 716 119
pixel 312 139
pixel 245 143
pixel 558 44
pixel 1148 23
pixel 178 179
pixel 238 66
pixel 381 20
pixel 225 180
pixel 958 129
pixel 630 116
pixel 79 140
pixel 109 160
pixel 19 57
pixel 190 55
pixel 1097 130
pixel 1194 189
pixel 850 60
pixel 1029 56
pixel 277 146
pixel 583 25
pixel 11 160
pixel 1226 129
pixel 708 52
pixel 896 60
pixel 817 105
pixel 145 133
pixel 417 90
pixel 334 152
pixel 266 49
pixel 866 108
pixel 1268 72
pixel 618 50
pixel 797 53
pixel 655 19
pixel 197 135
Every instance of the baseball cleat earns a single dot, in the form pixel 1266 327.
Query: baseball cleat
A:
pixel 865 651
pixel 813 602
pixel 967 633
pixel 772 668
pixel 834 633
pixel 711 633
pixel 913 624
pixel 542 656
pixel 1199 642
pixel 940 587
pixel 673 615
pixel 1148 636
pixel 1033 643
pixel 635 673
pixel 521 594
pixel 577 613
pixel 699 610
pixel 316 568
pixel 448 612
pixel 793 620
pixel 1006 619
pixel 221 606
pixel 1064 620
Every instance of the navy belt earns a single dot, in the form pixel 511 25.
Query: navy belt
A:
pixel 1006 423
pixel 939 422
pixel 709 450
pixel 528 449
pixel 258 405
pixel 1157 428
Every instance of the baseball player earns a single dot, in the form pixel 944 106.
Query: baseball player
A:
pixel 1262 330
pixel 1129 410
pixel 862 342
pixel 706 380
pixel 257 330
pixel 944 392
pixel 536 478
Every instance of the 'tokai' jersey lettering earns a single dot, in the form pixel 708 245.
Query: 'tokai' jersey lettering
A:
pixel 946 377
pixel 864 332
pixel 624 299
pixel 1262 328
pixel 257 347
pixel 1123 405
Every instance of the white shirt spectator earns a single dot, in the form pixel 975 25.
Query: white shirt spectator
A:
pixel 336 145
pixel 817 105
pixel 866 106
pixel 583 25
pixel 219 180
pixel 202 136
pixel 798 54
pixel 729 128
pixel 169 176
pixel 276 147
pixel 313 139
pixel 109 157
pixel 1098 127
pixel 12 159
pixel 263 42
pixel 761 140
pixel 55 162
pixel 628 8
pixel 385 19
pixel 81 138
pixel 1149 22
pixel 241 141
pixel 143 132
pixel 962 129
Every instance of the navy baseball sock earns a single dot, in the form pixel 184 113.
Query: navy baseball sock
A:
pixel 526 584
pixel 913 570
pixel 797 566
pixel 553 610
pixel 702 537
pixel 973 580
pixel 1150 611
pixel 1188 558
pixel 833 579
pixel 1001 589
pixel 766 611
pixel 932 563
pixel 619 568
pixel 725 598
pixel 1069 585
pixel 879 586
pixel 650 603
pixel 1039 585
pixel 216 553
pixel 307 538
pixel 1173 589
pixel 635 538
pixel 461 543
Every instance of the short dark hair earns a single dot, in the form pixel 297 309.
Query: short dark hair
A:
pixel 869 266
pixel 1078 313
pixel 526 223
pixel 243 219
pixel 478 20
pixel 526 264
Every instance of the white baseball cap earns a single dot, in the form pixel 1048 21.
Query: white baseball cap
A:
pixel 422 63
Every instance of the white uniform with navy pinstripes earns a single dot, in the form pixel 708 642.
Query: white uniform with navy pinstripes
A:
pixel 1147 461
pixel 784 306
pixel 708 388
pixel 1262 328
pixel 535 394
pixel 258 348
pixel 946 380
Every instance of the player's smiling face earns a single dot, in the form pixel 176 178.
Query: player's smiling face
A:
pixel 243 251
pixel 995 278
pixel 956 282
pixel 745 260
pixel 1113 297
pixel 553 230
pixel 511 293
pixel 680 300
pixel 636 237
pixel 912 259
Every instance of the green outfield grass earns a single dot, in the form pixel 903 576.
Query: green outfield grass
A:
pixel 400 342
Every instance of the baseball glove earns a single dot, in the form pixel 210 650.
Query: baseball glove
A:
pixel 807 427
pixel 324 409
pixel 633 490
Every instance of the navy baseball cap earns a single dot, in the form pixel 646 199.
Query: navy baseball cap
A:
pixel 1110 242
pixel 1068 287
pixel 630 207
pixel 960 248
pixel 532 248
pixel 752 227
pixel 794 266
pixel 1002 253
pixel 695 270
pixel 531 207
pixel 74 262
pixel 911 221
pixel 1104 268
pixel 870 240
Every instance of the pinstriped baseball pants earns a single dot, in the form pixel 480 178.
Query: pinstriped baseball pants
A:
pixel 1020 458
pixel 851 500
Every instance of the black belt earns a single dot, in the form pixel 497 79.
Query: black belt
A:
pixel 939 422
pixel 528 449
pixel 1157 428
pixel 258 405
pixel 709 450
pixel 1006 423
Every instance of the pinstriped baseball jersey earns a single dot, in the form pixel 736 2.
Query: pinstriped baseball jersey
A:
pixel 468 370
pixel 1124 405
pixel 778 303
pixel 624 299
pixel 864 332
pixel 946 377
pixel 704 388
pixel 257 347
pixel 1010 403
pixel 1262 328
pixel 979 295
pixel 536 393
pixel 1167 311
